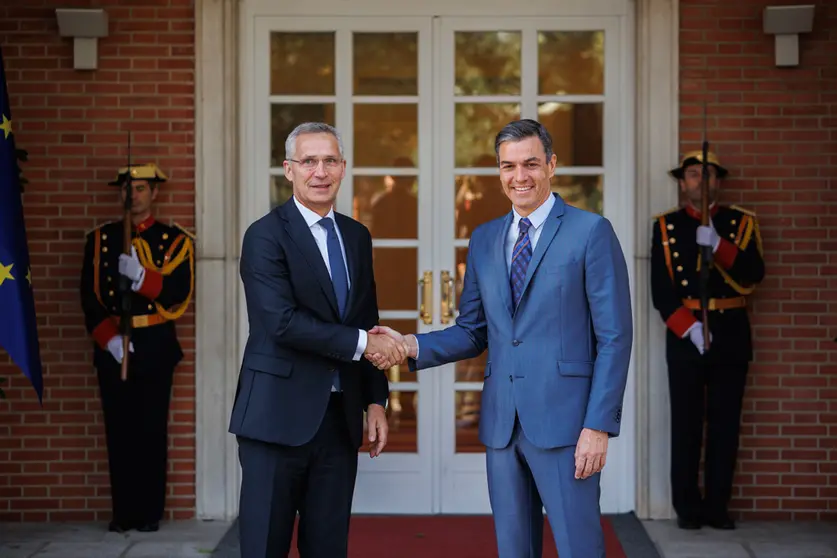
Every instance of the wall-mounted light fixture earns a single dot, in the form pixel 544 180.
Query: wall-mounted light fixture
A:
pixel 85 27
pixel 786 23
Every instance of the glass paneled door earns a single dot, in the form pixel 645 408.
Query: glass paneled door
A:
pixel 418 101
pixel 562 72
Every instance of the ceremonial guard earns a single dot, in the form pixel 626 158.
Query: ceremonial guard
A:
pixel 705 383
pixel 158 275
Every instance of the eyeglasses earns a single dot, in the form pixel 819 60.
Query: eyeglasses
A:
pixel 330 163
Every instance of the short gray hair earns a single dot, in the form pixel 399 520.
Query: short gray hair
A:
pixel 520 129
pixel 311 128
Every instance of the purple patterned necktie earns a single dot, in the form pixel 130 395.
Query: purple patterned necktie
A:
pixel 521 255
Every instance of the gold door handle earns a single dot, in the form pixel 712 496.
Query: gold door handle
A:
pixel 448 301
pixel 426 303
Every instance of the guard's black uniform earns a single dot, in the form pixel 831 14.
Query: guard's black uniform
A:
pixel 675 287
pixel 136 411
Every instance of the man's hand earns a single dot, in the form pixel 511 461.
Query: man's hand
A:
pixel 590 453
pixel 695 334
pixel 407 343
pixel 378 428
pixel 706 235
pixel 115 348
pixel 130 267
pixel 384 351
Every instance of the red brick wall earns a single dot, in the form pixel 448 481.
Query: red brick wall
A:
pixel 53 463
pixel 776 129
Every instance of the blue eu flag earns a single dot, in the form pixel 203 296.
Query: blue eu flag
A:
pixel 18 328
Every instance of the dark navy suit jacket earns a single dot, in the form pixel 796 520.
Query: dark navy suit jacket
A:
pixel 297 338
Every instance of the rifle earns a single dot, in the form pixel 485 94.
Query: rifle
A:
pixel 125 282
pixel 706 251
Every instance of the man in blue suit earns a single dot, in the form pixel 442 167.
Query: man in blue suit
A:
pixel 546 292
pixel 303 387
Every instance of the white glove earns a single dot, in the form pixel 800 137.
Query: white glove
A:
pixel 115 347
pixel 707 236
pixel 695 334
pixel 130 267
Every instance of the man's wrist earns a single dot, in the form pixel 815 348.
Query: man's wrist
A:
pixel 412 345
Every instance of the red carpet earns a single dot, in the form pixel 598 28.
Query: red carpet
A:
pixel 440 537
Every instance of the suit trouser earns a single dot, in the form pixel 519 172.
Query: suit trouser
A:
pixel 699 388
pixel 522 480
pixel 136 427
pixel 316 479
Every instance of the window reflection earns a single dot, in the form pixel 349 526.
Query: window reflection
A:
pixel 302 63
pixel 479 199
pixel 284 118
pixel 487 63
pixel 576 131
pixel 476 126
pixel 387 205
pixel 583 192
pixel 570 62
pixel 385 63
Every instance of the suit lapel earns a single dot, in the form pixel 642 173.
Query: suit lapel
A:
pixel 351 243
pixel 501 263
pixel 550 228
pixel 301 235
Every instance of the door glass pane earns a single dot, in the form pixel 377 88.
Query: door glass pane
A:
pixel 395 271
pixel 387 205
pixel 570 63
pixel 281 190
pixel 470 370
pixel 284 118
pixel 479 199
pixel 476 126
pixel 386 135
pixel 487 63
pixel 584 192
pixel 385 63
pixel 302 63
pixel 467 418
pixel 576 130
pixel 403 431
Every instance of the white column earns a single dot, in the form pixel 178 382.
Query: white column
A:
pixel 657 120
pixel 217 284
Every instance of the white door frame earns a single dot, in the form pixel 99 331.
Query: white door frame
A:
pixel 224 64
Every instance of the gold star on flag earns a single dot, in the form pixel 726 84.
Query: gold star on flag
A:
pixel 6 273
pixel 29 276
pixel 6 126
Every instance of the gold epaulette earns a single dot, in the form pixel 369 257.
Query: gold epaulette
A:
pixel 185 231
pixel 99 226
pixel 742 210
pixel 666 212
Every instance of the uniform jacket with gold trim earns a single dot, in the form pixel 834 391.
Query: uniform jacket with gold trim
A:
pixel 167 253
pixel 737 267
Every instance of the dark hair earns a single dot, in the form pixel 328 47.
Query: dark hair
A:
pixel 520 129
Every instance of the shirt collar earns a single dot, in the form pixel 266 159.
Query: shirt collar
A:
pixel 311 217
pixel 537 217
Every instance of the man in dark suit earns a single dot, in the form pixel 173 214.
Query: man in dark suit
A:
pixel 303 385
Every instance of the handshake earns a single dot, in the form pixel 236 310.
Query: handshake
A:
pixel 385 347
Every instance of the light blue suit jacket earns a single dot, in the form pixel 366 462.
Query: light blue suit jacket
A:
pixel 560 361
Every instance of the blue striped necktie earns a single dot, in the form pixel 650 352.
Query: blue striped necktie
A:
pixel 521 256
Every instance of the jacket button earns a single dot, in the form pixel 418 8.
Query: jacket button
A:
pixel 510 378
pixel 515 342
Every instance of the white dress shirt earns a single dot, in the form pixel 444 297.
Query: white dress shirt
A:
pixel 320 235
pixel 537 218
